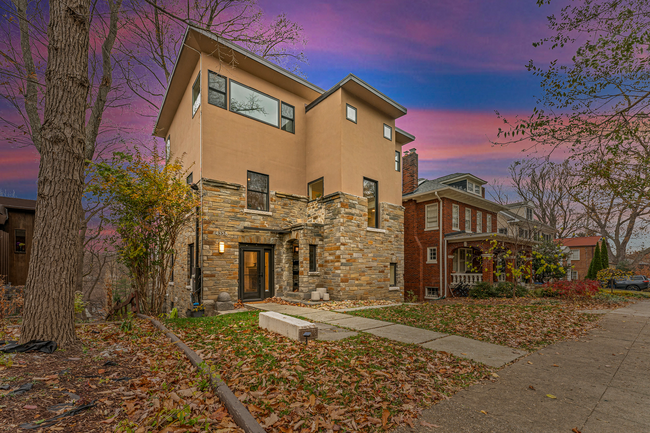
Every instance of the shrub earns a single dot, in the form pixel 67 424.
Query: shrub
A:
pixel 572 289
pixel 505 290
pixel 486 290
pixel 483 290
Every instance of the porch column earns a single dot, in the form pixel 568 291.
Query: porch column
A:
pixel 510 267
pixel 488 268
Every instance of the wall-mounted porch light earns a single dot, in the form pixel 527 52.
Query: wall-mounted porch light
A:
pixel 295 249
pixel 222 247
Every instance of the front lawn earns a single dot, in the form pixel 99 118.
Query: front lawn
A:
pixel 521 323
pixel 361 383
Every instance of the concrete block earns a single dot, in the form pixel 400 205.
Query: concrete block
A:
pixel 225 306
pixel 288 326
pixel 315 296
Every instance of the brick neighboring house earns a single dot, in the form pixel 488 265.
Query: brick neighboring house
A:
pixel 448 229
pixel 581 252
pixel 16 235
pixel 300 187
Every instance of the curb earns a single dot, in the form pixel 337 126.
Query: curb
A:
pixel 236 409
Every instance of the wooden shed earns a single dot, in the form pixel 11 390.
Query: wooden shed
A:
pixel 16 234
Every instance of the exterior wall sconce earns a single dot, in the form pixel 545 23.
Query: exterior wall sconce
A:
pixel 222 247
pixel 295 249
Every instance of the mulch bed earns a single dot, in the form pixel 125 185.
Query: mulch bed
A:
pixel 137 381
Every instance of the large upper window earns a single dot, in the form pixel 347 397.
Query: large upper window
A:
pixel 488 229
pixel 216 89
pixel 529 214
pixel 397 160
pixel 455 217
pixel 288 118
pixel 350 113
pixel 370 188
pixel 257 197
pixel 316 189
pixel 196 94
pixel 388 132
pixel 254 104
pixel 479 222
pixel 468 220
pixel 431 218
pixel 20 241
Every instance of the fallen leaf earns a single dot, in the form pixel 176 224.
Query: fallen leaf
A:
pixel 495 375
pixel 428 424
pixel 531 387
pixel 384 417
pixel 270 420
pixel 30 407
pixel 550 396
pixel 484 412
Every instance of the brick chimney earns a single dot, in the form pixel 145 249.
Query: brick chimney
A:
pixel 409 171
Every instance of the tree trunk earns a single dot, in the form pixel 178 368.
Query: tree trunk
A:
pixel 49 292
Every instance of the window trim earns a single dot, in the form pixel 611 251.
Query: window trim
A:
pixel 224 93
pixel 390 129
pixel 376 201
pixel 426 217
pixel 198 80
pixel 429 259
pixel 268 193
pixel 426 296
pixel 468 211
pixel 398 161
pixel 309 199
pixel 282 117
pixel 455 209
pixel 392 283
pixel 572 254
pixel 356 114
pixel 479 221
pixel 313 264
pixel 254 90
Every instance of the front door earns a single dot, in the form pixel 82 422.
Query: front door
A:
pixel 255 272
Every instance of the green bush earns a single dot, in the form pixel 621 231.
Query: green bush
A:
pixel 505 289
pixel 482 290
pixel 486 290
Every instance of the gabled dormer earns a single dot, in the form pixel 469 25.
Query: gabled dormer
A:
pixel 465 182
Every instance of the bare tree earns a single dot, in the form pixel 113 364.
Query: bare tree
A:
pixel 497 192
pixel 549 188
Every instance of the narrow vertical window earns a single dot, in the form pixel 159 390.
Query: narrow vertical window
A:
pixel 316 189
pixel 388 132
pixel 393 274
pixel 217 90
pixel 20 241
pixel 489 223
pixel 455 217
pixel 350 113
pixel 313 259
pixel 397 161
pixel 431 217
pixel 468 220
pixel 190 178
pixel 196 94
pixel 171 264
pixel 288 118
pixel 479 222
pixel 370 188
pixel 190 262
pixel 168 147
pixel 258 191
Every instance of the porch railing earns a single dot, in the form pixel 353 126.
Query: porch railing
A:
pixel 470 279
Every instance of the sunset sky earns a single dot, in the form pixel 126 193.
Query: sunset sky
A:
pixel 451 63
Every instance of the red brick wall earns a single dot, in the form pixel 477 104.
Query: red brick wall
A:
pixel 582 266
pixel 409 172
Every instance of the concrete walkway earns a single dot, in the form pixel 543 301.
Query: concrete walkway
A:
pixel 600 384
pixel 330 326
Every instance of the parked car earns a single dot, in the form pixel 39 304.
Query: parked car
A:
pixel 635 282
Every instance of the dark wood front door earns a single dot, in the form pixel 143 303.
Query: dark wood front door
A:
pixel 255 272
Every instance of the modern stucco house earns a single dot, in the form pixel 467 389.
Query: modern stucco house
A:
pixel 300 187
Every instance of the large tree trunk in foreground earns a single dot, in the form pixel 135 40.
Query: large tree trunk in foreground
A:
pixel 49 292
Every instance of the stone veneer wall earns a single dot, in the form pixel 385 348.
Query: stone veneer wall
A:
pixel 353 261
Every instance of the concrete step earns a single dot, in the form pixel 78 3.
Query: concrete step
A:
pixel 288 326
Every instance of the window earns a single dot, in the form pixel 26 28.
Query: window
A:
pixel 254 104
pixel 388 132
pixel 479 222
pixel 196 94
pixel 524 233
pixel 288 118
pixel 397 161
pixel 574 275
pixel 488 224
pixel 171 276
pixel 190 178
pixel 216 90
pixel 503 231
pixel 575 254
pixel 529 214
pixel 168 147
pixel 468 220
pixel 431 293
pixel 313 264
pixel 393 274
pixel 257 197
pixel 350 113
pixel 316 189
pixel 470 187
pixel 190 262
pixel 463 258
pixel 370 192
pixel 455 217
pixel 20 241
pixel 431 218
pixel 432 255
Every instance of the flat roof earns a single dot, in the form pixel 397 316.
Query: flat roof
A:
pixel 18 203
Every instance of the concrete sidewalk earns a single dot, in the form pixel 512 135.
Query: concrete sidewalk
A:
pixel 489 354
pixel 600 384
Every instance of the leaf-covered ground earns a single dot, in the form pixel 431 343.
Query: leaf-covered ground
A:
pixel 522 323
pixel 333 305
pixel 362 383
pixel 137 381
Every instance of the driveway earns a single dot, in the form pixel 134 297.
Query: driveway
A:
pixel 598 384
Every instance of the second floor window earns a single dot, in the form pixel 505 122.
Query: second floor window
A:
pixel 488 224
pixel 350 113
pixel 479 222
pixel 370 188
pixel 575 254
pixel 257 197
pixel 254 104
pixel 529 214
pixel 196 94
pixel 388 132
pixel 468 220
pixel 431 216
pixel 288 118
pixel 397 160
pixel 316 189
pixel 216 89
pixel 168 147
pixel 455 217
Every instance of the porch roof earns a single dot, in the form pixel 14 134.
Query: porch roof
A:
pixel 467 237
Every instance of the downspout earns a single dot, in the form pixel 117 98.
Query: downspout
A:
pixel 443 258
pixel 199 216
